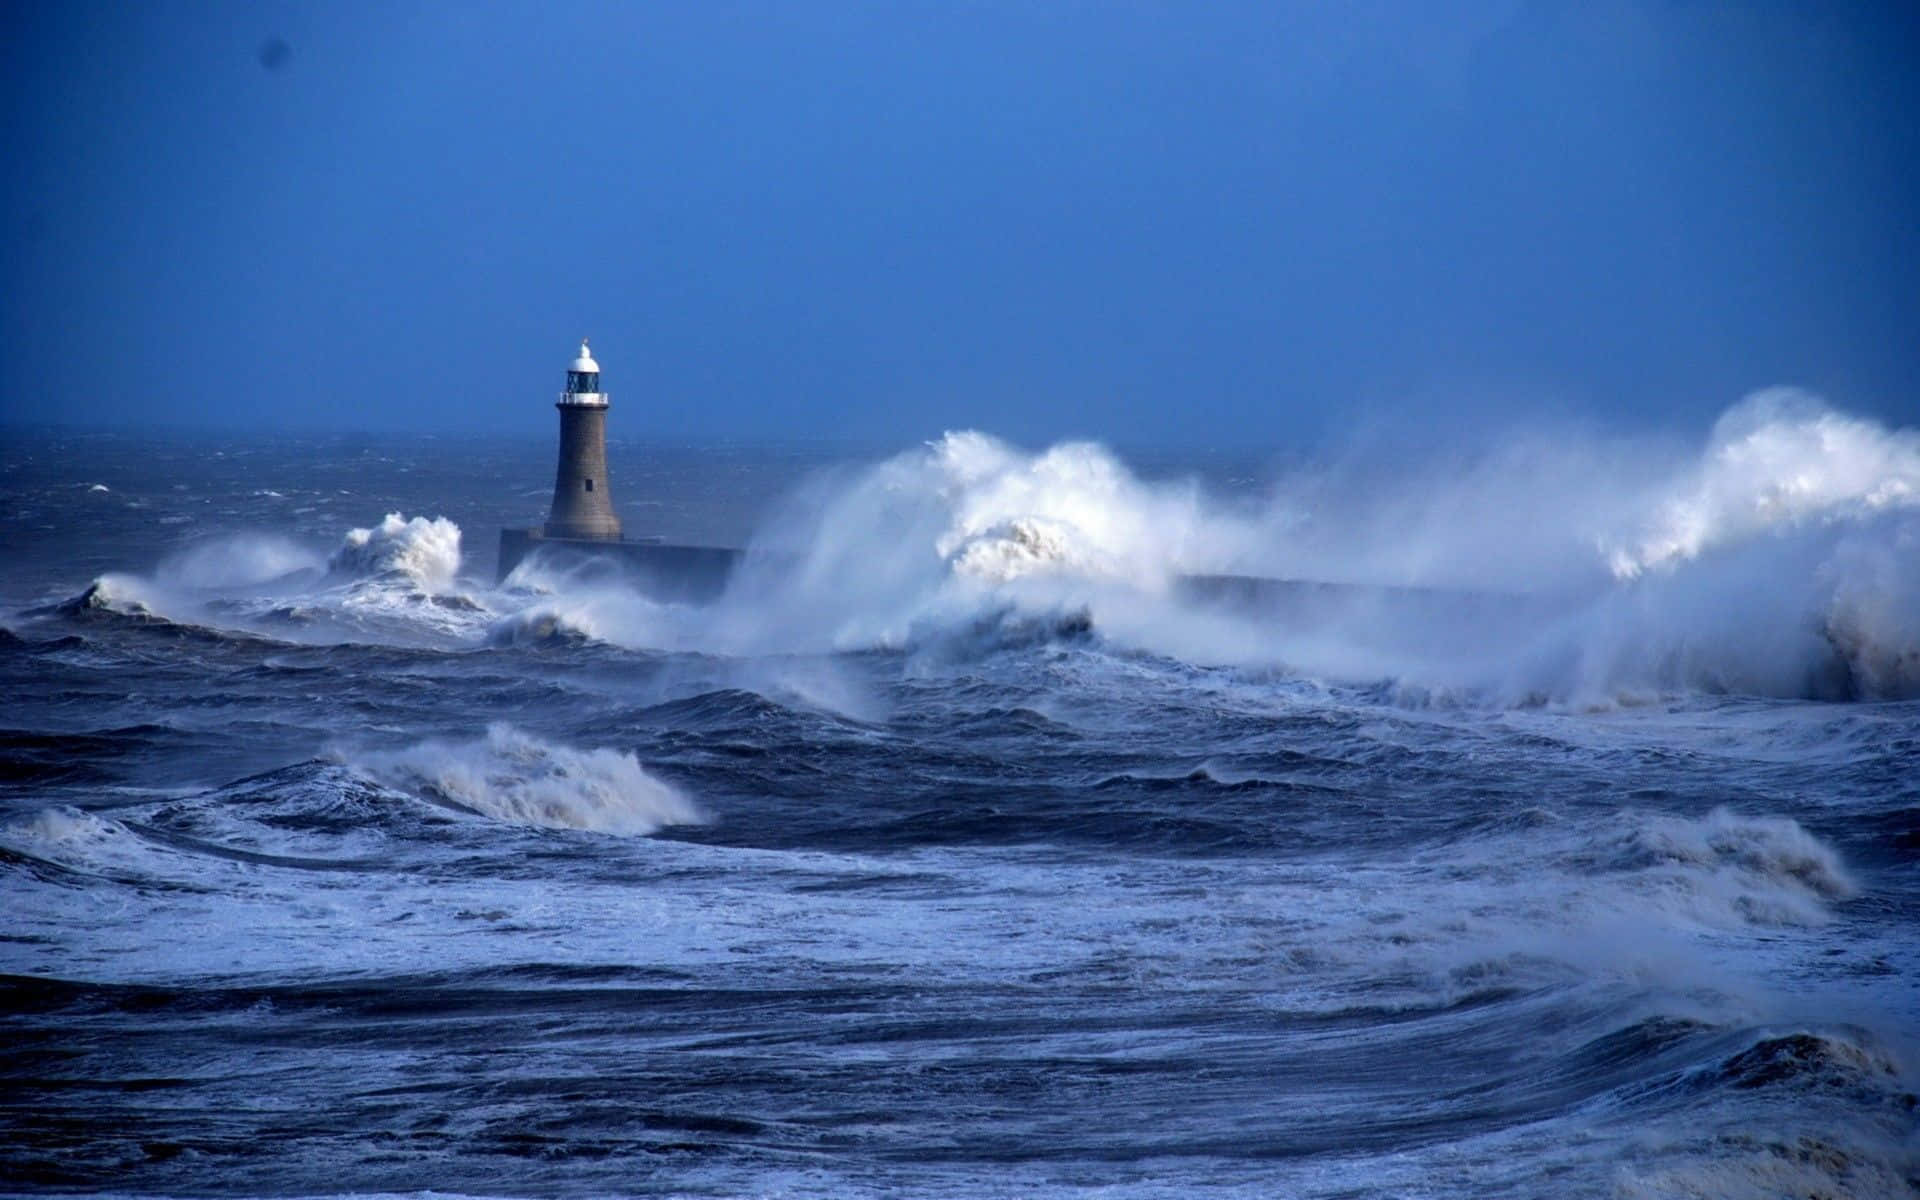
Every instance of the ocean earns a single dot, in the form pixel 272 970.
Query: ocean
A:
pixel 1563 839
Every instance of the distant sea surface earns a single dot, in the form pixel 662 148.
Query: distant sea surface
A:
pixel 1564 850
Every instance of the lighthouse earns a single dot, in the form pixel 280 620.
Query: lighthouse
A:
pixel 582 501
pixel 581 527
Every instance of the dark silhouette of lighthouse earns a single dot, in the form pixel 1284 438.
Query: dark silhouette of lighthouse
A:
pixel 581 527
pixel 582 501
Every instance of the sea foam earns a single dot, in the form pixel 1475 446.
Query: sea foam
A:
pixel 1778 459
pixel 1774 560
pixel 513 776
pixel 424 550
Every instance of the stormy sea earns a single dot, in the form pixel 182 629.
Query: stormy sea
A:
pixel 1541 818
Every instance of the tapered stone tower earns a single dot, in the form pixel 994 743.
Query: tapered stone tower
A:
pixel 582 501
pixel 581 527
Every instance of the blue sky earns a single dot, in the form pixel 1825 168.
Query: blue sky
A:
pixel 1222 224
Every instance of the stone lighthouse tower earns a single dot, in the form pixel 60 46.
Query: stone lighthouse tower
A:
pixel 581 526
pixel 582 502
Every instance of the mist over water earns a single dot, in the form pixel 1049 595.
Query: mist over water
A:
pixel 1536 818
pixel 1777 561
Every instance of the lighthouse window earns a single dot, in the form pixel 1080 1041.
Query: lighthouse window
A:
pixel 579 382
pixel 589 485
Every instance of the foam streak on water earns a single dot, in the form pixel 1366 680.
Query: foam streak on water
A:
pixel 968 846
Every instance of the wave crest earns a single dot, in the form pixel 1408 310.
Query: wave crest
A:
pixel 1777 459
pixel 120 595
pixel 1074 507
pixel 513 776
pixel 542 625
pixel 424 550
pixel 1756 870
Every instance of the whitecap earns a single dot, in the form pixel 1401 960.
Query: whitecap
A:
pixel 514 776
pixel 424 550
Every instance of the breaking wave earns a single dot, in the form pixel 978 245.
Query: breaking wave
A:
pixel 394 582
pixel 512 776
pixel 1626 894
pixel 424 550
pixel 1778 459
pixel 571 602
pixel 115 594
pixel 541 625
pixel 952 531
pixel 1778 560
pixel 1734 869
pixel 1073 509
pixel 65 826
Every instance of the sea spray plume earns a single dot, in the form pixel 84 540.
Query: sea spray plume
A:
pixel 123 595
pixel 424 550
pixel 1545 510
pixel 1822 613
pixel 865 558
pixel 393 582
pixel 1873 613
pixel 1501 557
pixel 1780 563
pixel 186 585
pixel 1509 510
pixel 1745 620
pixel 237 560
pixel 513 776
pixel 1777 459
pixel 1074 508
pixel 569 600
pixel 1767 563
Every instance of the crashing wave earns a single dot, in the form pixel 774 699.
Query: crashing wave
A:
pixel 1073 508
pixel 395 581
pixel 65 825
pixel 425 551
pixel 1007 627
pixel 69 839
pixel 540 626
pixel 1770 563
pixel 1024 546
pixel 1777 459
pixel 112 594
pixel 1872 619
pixel 1807 1060
pixel 1740 869
pixel 513 776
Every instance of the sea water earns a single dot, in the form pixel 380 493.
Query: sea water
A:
pixel 1569 847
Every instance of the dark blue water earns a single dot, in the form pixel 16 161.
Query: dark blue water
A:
pixel 956 852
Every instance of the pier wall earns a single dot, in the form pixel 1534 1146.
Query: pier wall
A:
pixel 662 570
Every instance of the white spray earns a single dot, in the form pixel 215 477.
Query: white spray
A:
pixel 513 776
